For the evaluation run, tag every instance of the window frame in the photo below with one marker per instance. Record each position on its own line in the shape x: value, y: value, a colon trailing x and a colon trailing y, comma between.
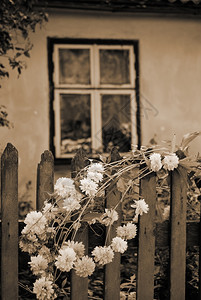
x: 88, y: 44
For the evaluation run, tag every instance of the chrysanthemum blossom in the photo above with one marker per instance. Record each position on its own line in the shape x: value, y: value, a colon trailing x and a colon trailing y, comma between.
x: 84, y: 266
x: 48, y: 211
x: 78, y: 247
x: 127, y: 231
x: 155, y: 162
x: 38, y: 264
x: 88, y: 186
x: 36, y: 222
x: 119, y: 245
x: 45, y: 252
x: 65, y: 187
x: 109, y: 217
x: 103, y: 255
x: 65, y: 259
x: 170, y: 162
x: 141, y: 207
x: 70, y: 204
x: 95, y: 176
x: 132, y: 296
x: 29, y: 246
x: 96, y: 167
x: 43, y: 288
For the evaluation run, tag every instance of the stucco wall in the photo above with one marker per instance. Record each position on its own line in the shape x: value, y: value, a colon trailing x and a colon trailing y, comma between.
x: 170, y: 76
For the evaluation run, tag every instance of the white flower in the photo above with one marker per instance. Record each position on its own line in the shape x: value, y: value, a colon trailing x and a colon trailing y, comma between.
x: 141, y: 207
x: 48, y: 211
x: 65, y: 259
x: 170, y: 162
x: 30, y: 247
x: 103, y: 255
x: 109, y: 217
x: 70, y: 204
x: 119, y: 245
x: 132, y: 296
x: 38, y: 264
x: 36, y: 222
x: 45, y: 252
x: 156, y: 164
x: 76, y: 225
x: 77, y: 247
x: 123, y: 296
x: 65, y: 187
x: 127, y: 231
x: 96, y: 167
x: 85, y: 266
x: 89, y: 187
x: 95, y: 176
x: 43, y: 288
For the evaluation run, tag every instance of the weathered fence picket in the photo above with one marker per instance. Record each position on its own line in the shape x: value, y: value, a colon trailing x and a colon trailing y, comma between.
x: 9, y: 223
x: 150, y: 235
x: 45, y: 178
x: 79, y: 286
x: 112, y: 270
x: 178, y: 198
x: 146, y: 242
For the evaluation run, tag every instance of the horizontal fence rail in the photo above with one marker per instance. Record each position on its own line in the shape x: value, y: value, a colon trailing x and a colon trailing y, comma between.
x: 177, y: 234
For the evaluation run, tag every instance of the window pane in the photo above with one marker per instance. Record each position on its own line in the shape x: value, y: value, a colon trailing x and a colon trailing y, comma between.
x: 74, y: 66
x: 114, y: 67
x: 116, y: 122
x: 75, y: 122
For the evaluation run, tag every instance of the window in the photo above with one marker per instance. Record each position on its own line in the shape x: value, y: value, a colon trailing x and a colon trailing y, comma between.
x: 94, y: 98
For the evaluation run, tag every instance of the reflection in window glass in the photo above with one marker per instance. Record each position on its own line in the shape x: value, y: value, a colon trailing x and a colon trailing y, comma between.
x: 114, y: 67
x: 116, y: 122
x: 75, y: 122
x: 74, y: 66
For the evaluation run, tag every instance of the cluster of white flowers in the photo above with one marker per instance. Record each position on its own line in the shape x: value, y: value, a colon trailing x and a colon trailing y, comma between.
x: 46, y: 234
x: 140, y: 207
x: 38, y: 264
x: 43, y: 288
x: 103, y: 255
x: 155, y: 160
x: 78, y: 247
x: 89, y: 184
x: 84, y: 266
x: 119, y: 245
x: 169, y: 162
x: 127, y: 231
x: 65, y: 259
x: 65, y: 188
x: 109, y: 217
x: 36, y: 223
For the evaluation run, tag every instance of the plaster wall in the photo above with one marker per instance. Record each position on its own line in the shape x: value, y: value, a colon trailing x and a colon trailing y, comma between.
x: 170, y: 76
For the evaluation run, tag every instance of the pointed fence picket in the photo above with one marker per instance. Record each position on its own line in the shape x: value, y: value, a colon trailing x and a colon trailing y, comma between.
x: 150, y: 234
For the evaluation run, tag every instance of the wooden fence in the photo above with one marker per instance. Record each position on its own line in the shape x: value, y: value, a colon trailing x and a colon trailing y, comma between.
x: 177, y: 233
